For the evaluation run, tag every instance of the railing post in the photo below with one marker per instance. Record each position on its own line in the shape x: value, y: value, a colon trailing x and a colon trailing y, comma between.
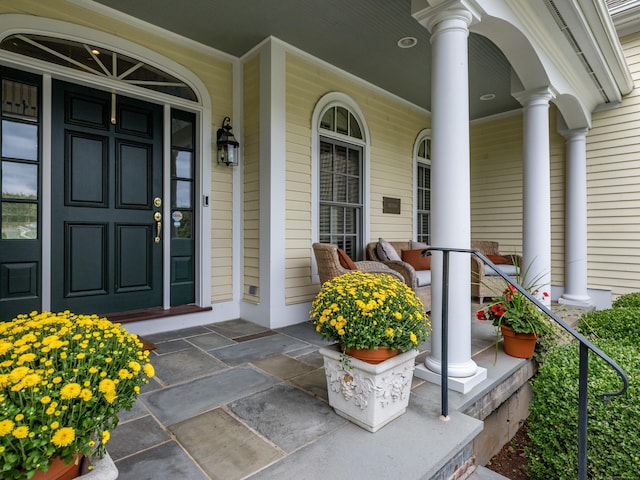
x: 444, y: 383
x: 583, y: 414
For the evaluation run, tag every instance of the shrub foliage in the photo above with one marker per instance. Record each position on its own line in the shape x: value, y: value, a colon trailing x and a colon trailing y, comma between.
x: 619, y: 324
x: 613, y: 440
x: 627, y: 300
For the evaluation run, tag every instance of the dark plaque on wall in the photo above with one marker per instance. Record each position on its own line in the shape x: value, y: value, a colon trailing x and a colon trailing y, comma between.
x: 391, y: 205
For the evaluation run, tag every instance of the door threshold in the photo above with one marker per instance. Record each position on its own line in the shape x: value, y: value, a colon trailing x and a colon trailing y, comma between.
x: 154, y: 313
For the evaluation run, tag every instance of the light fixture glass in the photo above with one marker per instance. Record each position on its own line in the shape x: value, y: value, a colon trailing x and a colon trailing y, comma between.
x: 227, y: 145
x: 487, y: 96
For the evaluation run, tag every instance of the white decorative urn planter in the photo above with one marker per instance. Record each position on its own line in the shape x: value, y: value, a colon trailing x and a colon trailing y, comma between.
x: 103, y: 469
x: 369, y: 395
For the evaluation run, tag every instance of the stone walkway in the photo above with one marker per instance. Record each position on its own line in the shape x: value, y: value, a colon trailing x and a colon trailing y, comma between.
x: 234, y: 400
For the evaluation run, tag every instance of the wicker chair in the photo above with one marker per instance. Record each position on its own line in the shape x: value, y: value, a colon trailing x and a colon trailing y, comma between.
x: 484, y: 281
x: 329, y: 263
x: 407, y: 271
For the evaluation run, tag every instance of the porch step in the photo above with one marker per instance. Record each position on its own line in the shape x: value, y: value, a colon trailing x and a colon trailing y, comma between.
x: 483, y: 473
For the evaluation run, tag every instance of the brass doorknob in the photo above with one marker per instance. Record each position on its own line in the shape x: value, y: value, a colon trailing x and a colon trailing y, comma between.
x: 157, y: 216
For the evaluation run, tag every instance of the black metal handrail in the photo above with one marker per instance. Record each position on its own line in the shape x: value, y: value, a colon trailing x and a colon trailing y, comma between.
x: 585, y: 346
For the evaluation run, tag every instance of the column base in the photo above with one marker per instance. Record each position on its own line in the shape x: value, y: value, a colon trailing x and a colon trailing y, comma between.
x: 576, y: 301
x: 457, y: 384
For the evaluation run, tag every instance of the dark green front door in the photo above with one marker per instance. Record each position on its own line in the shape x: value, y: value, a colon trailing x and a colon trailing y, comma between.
x: 106, y: 184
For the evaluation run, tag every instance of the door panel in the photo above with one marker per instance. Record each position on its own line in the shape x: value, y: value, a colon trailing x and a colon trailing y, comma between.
x: 86, y: 259
x: 86, y: 170
x: 104, y: 221
x: 134, y: 174
x: 134, y: 258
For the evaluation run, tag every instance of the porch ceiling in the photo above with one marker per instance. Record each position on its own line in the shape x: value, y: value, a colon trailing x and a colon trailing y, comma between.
x: 358, y: 36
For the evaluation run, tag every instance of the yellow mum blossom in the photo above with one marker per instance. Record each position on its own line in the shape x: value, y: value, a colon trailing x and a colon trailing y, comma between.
x: 389, y: 332
x: 86, y: 394
x: 70, y: 390
x: 413, y: 338
x: 19, y: 417
x: 110, y: 396
x: 63, y: 437
x: 149, y: 370
x: 46, y: 399
x: 105, y: 436
x: 21, y: 432
x: 6, y: 426
x: 398, y: 315
x: 5, y: 346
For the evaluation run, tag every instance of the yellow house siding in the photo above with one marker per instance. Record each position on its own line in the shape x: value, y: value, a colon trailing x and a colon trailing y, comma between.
x: 497, y: 183
x: 393, y: 126
x: 251, y: 167
x: 214, y: 72
x: 613, y: 193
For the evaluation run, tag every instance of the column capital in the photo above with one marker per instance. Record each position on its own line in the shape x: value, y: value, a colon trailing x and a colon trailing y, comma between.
x: 574, y: 133
x: 536, y: 96
x: 430, y: 13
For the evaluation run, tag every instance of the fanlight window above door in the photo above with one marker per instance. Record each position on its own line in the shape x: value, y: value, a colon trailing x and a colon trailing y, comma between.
x: 98, y: 61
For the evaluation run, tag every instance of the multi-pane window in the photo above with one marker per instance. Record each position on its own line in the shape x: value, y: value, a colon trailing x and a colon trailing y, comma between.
x: 423, y: 202
x: 20, y: 161
x: 182, y: 173
x: 341, y: 196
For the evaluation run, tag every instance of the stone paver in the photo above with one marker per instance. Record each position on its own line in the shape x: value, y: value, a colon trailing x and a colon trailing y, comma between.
x: 138, y: 434
x: 165, y: 462
x: 288, y: 417
x: 282, y: 366
x: 224, y: 447
x: 256, y: 349
x: 174, y: 404
x: 178, y: 367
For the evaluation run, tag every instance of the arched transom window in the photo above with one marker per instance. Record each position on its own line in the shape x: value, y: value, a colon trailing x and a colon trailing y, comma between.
x: 98, y: 61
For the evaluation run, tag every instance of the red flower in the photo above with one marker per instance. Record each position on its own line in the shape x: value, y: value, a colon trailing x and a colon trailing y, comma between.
x: 545, y: 294
x: 480, y: 314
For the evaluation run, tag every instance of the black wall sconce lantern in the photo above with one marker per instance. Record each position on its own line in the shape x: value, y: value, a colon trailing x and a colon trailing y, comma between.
x: 227, y: 145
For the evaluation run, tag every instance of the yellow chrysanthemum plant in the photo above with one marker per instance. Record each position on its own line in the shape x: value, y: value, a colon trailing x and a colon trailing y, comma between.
x: 63, y: 380
x: 364, y: 310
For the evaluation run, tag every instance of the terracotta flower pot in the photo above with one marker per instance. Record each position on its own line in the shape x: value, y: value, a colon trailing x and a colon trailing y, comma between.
x: 519, y: 345
x: 59, y: 471
x: 371, y: 355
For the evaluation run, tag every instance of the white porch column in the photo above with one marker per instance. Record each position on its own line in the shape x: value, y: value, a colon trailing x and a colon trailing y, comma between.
x: 536, y: 228
x: 575, y: 236
x: 450, y: 184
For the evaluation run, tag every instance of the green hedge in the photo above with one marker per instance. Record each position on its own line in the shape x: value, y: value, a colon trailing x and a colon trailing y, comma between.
x: 613, y: 441
x: 627, y: 300
x: 619, y: 324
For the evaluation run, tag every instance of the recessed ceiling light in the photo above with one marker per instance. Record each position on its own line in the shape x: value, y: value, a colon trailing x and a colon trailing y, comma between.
x: 95, y: 51
x: 407, y: 42
x: 487, y: 96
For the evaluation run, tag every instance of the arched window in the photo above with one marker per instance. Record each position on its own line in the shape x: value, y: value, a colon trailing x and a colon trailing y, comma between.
x: 341, y: 179
x: 99, y: 61
x: 423, y: 191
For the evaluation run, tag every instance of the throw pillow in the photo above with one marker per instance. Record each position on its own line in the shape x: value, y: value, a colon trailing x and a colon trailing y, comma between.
x: 416, y: 260
x: 345, y: 260
x: 498, y: 259
x: 386, y: 252
x: 415, y: 245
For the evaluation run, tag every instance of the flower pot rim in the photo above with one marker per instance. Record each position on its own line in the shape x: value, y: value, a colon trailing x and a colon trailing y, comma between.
x: 334, y: 352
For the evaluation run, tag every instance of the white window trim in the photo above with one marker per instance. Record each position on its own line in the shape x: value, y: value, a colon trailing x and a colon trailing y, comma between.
x: 337, y: 99
x: 422, y: 136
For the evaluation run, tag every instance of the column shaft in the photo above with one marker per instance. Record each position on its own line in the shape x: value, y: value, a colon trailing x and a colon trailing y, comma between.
x: 450, y: 189
x: 575, y: 250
